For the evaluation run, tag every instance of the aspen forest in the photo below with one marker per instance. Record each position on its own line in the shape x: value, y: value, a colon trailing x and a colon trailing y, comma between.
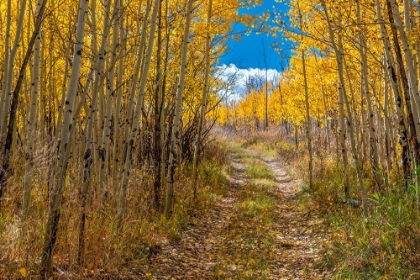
x: 130, y: 148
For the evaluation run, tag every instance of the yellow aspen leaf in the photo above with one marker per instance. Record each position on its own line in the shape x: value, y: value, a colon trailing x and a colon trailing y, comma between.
x: 23, y: 272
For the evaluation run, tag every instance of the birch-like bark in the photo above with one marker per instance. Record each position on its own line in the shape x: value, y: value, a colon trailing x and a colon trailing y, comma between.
x: 324, y: 103
x: 15, y: 101
x: 343, y: 96
x: 118, y: 120
x: 412, y: 113
x: 9, y: 72
x: 387, y: 130
x: 129, y: 142
x: 413, y: 86
x: 99, y: 66
x: 30, y: 123
x: 132, y: 102
x: 204, y: 100
x: 5, y: 67
x: 365, y: 89
x: 308, y: 116
x: 110, y: 92
x: 63, y: 152
x: 169, y: 200
x: 402, y: 126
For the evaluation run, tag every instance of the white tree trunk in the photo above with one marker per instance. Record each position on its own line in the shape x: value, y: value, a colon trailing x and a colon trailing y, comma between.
x: 64, y: 146
x: 30, y: 123
x: 169, y: 200
x: 8, y: 73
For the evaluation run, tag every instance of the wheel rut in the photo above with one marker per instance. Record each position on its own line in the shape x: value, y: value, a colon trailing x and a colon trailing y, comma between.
x: 231, y: 242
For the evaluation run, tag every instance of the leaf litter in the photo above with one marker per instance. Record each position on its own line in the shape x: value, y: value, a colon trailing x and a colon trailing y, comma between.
x: 254, y: 232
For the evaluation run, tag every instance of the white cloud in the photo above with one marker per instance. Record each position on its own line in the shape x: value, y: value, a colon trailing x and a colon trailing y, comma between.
x: 241, y: 76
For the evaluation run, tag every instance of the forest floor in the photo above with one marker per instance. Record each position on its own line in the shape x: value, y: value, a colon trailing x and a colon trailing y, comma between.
x: 259, y: 229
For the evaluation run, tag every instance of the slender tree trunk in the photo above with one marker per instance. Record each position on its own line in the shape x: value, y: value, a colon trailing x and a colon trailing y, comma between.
x: 324, y: 103
x: 365, y: 89
x: 110, y: 92
x: 129, y: 143
x: 118, y: 120
x: 157, y: 144
x: 8, y: 73
x: 30, y: 131
x: 308, y: 116
x: 129, y: 124
x: 402, y: 126
x: 204, y: 99
x: 339, y: 56
x: 395, y: 20
x: 5, y: 69
x: 169, y: 201
x: 64, y: 146
x: 15, y: 101
x: 99, y: 66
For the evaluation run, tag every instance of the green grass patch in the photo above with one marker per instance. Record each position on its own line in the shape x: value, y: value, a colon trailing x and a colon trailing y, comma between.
x: 380, y: 246
x: 260, y: 171
x: 258, y: 205
x: 267, y: 184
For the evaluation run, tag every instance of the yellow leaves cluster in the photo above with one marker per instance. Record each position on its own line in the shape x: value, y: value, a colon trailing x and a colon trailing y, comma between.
x: 286, y: 102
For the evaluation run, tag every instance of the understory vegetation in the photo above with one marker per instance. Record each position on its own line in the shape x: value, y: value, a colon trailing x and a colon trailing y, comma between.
x: 382, y: 245
x: 112, y: 253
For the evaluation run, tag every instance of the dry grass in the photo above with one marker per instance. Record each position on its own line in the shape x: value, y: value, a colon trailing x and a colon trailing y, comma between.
x: 108, y: 251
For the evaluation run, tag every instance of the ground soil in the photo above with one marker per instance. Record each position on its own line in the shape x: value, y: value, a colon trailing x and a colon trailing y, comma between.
x: 209, y: 250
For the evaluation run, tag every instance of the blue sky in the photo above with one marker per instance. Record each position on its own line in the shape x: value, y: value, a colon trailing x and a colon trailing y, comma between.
x: 248, y: 53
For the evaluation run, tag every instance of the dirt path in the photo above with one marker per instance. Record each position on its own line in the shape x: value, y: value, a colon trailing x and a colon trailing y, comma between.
x: 256, y: 231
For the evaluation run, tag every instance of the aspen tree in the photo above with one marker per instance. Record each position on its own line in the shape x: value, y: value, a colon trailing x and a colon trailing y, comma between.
x: 402, y: 126
x: 413, y: 85
x: 324, y: 103
x: 64, y: 146
x: 412, y: 112
x: 338, y: 50
x: 99, y: 66
x: 64, y: 85
x: 365, y: 89
x: 118, y: 120
x: 104, y: 148
x: 158, y: 109
x: 30, y: 131
x: 163, y: 162
x: 15, y: 100
x: 169, y: 200
x: 129, y: 147
x: 203, y: 99
x: 5, y: 68
x: 129, y: 124
x: 308, y: 117
x: 9, y: 70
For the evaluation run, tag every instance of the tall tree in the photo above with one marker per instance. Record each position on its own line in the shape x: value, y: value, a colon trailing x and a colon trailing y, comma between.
x: 176, y: 130
x: 64, y: 146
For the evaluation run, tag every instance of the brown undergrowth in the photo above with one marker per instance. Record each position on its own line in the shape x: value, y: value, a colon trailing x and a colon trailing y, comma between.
x: 109, y: 253
x: 257, y: 229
